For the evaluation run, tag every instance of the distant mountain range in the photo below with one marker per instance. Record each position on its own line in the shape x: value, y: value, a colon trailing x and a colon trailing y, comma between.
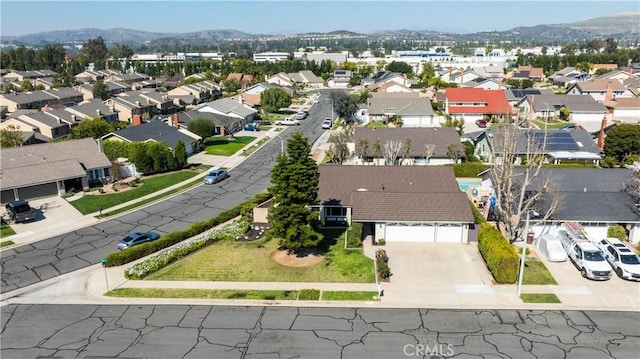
x: 620, y: 27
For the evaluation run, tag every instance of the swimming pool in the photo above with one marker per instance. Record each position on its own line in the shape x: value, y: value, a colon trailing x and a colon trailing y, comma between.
x: 465, y: 183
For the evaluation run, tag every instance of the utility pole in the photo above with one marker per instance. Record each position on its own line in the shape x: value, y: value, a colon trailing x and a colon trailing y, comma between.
x: 522, y: 259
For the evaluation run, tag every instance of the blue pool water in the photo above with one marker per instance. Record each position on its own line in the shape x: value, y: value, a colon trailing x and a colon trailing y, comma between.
x: 465, y: 184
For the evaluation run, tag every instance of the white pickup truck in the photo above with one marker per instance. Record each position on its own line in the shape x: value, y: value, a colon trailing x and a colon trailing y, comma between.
x: 584, y: 254
x: 288, y: 122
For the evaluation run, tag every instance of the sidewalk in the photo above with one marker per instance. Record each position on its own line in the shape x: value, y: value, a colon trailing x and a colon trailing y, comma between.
x: 74, y: 221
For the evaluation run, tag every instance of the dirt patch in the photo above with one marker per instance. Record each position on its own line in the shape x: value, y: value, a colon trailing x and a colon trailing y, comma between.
x: 293, y: 260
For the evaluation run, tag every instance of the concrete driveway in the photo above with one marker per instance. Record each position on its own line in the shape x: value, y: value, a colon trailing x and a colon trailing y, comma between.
x: 435, y: 273
x: 55, y: 215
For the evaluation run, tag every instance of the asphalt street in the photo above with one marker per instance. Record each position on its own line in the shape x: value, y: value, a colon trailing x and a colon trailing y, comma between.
x: 39, y: 261
x: 182, y: 331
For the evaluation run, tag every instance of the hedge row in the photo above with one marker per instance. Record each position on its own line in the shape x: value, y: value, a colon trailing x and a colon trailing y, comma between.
x: 500, y: 256
x: 131, y: 254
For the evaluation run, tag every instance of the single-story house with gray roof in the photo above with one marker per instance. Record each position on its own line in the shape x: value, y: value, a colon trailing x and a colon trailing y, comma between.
x: 414, y: 110
x: 597, y: 198
x: 398, y: 203
x: 158, y: 131
x: 49, y: 169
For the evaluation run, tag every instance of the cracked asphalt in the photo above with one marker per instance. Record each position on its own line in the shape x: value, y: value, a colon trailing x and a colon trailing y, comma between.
x: 35, y: 262
x: 183, y: 331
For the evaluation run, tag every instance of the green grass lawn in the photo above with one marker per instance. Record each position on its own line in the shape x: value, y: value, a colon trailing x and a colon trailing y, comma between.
x: 224, y: 146
x: 540, y: 298
x: 93, y: 203
x: 203, y: 293
x: 535, y: 272
x: 251, y: 262
x: 374, y: 124
x: 6, y: 243
x: 349, y: 296
x: 552, y: 125
x: 6, y: 230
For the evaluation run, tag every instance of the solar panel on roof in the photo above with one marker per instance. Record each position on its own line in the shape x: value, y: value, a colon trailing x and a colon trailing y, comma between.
x: 557, y: 141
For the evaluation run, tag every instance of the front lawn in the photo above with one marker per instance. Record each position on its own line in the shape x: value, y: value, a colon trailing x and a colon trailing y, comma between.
x: 375, y: 124
x: 93, y: 203
x: 552, y: 124
x: 349, y: 296
x: 225, y: 146
x: 535, y: 272
x: 6, y: 230
x: 540, y: 298
x: 251, y: 262
x: 203, y: 293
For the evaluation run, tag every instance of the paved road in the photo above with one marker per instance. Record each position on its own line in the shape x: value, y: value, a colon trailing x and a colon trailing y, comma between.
x: 182, y: 331
x: 35, y: 262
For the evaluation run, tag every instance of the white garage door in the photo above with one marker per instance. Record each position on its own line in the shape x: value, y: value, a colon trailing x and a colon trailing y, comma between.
x: 449, y: 233
x: 596, y: 232
x: 397, y: 232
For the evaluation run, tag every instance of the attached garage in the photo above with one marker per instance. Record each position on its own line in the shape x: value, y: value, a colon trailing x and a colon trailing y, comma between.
x: 410, y: 232
x: 450, y: 233
x: 39, y: 191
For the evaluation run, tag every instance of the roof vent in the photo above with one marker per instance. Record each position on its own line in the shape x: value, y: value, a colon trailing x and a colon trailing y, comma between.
x: 362, y: 190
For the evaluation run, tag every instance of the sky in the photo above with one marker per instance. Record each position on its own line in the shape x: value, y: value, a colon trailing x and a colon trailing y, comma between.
x: 290, y: 17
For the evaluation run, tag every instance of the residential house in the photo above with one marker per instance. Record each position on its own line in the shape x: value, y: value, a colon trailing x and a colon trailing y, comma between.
x: 600, y: 90
x: 113, y: 89
x: 220, y: 121
x: 387, y: 77
x: 158, y: 131
x: 473, y: 104
x: 51, y: 124
x: 128, y: 78
x: 30, y: 134
x: 595, y: 67
x: 583, y: 109
x: 251, y: 96
x: 528, y: 73
x: 485, y: 84
x: 19, y: 76
x: 49, y: 169
x: 196, y: 92
x: 515, y: 95
x: 306, y: 78
x: 340, y: 78
x: 556, y: 146
x: 230, y: 108
x: 55, y: 97
x: 390, y: 87
x: 90, y: 76
x: 597, y: 198
x: 243, y: 79
x: 281, y: 79
x: 415, y: 111
x: 396, y: 203
x: 495, y: 73
x: 624, y: 109
x: 568, y: 76
x: 433, y: 142
x: 93, y: 109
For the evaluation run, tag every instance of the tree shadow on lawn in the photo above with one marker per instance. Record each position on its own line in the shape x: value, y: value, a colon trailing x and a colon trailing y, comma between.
x: 330, y: 238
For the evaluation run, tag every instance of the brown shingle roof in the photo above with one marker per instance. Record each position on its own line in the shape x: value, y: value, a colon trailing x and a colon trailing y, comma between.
x: 411, y: 207
x: 442, y: 137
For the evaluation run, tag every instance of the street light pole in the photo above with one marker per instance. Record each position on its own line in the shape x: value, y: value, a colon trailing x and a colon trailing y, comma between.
x: 281, y: 144
x: 522, y: 259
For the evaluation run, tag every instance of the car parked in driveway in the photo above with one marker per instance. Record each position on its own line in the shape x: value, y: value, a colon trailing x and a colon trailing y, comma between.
x: 551, y: 247
x: 622, y: 259
x: 252, y: 127
x: 216, y: 176
x: 288, y: 122
x: 136, y: 238
x: 20, y: 211
x: 481, y: 123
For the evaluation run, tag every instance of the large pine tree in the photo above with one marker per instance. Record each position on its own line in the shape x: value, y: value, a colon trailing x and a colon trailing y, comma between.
x: 295, y: 188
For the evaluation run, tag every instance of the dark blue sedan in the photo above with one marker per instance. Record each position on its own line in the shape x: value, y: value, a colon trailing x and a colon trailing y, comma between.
x: 137, y: 238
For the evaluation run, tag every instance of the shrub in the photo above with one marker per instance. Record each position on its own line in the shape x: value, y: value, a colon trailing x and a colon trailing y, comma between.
x: 468, y: 169
x: 309, y: 294
x: 477, y: 216
x: 498, y: 253
x: 354, y: 236
x: 382, y: 264
x: 617, y: 231
x: 381, y: 242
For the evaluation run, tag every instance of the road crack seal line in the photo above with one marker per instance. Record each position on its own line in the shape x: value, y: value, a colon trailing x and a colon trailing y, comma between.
x: 257, y: 329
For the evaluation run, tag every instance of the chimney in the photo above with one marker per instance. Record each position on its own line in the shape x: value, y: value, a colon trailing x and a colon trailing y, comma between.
x: 98, y: 112
x: 462, y: 77
x: 113, y: 108
x: 450, y: 72
x: 138, y: 103
x: 609, y: 95
x: 601, y: 135
x: 73, y: 118
x: 137, y: 120
x: 531, y: 110
x: 176, y: 122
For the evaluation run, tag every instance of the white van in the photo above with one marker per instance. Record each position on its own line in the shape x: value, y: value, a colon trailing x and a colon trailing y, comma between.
x: 551, y: 247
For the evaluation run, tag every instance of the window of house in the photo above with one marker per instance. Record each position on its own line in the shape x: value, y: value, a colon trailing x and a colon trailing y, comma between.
x: 335, y: 211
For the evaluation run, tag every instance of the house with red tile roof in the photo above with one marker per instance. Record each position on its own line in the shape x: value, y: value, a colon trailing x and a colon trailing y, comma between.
x: 473, y: 104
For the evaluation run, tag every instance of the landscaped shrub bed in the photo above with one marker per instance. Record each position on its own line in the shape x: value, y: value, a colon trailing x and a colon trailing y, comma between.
x: 169, y: 239
x: 309, y: 294
x: 354, y: 235
x: 382, y: 263
x: 181, y: 250
x: 498, y: 253
x: 469, y: 169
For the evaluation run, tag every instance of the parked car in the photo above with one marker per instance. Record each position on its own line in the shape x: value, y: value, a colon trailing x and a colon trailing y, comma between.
x: 288, y: 122
x: 622, y: 259
x: 551, y: 248
x: 20, y: 211
x: 216, y: 176
x: 136, y: 238
x: 481, y: 123
x: 327, y: 123
x: 252, y: 127
x: 302, y: 115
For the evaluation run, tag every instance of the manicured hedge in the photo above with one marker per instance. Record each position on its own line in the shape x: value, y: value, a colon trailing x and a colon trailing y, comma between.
x: 500, y: 256
x: 477, y: 216
x: 617, y: 231
x: 131, y: 254
x: 469, y: 169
